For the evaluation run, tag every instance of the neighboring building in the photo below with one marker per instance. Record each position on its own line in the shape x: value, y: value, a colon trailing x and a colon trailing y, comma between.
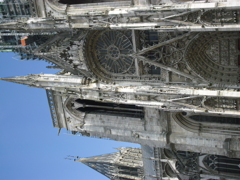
x: 164, y: 74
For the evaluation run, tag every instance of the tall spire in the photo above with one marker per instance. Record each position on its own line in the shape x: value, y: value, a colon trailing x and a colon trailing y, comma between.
x: 46, y: 81
x: 104, y: 164
x: 123, y: 164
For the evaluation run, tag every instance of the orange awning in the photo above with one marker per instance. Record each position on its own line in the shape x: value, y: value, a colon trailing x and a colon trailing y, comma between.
x: 22, y: 40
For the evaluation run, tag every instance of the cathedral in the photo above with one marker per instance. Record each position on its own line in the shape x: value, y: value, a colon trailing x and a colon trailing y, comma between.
x: 161, y: 73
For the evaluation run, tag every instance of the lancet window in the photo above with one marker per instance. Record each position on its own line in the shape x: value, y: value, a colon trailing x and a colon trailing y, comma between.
x: 192, y: 163
x: 222, y: 164
x: 103, y: 108
x: 208, y: 124
x: 215, y: 119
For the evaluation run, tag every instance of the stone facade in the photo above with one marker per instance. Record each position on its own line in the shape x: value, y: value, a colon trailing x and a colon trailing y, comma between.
x: 164, y: 74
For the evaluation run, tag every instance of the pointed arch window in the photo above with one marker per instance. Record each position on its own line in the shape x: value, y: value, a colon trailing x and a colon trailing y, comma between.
x: 217, y: 57
x: 215, y: 164
x: 215, y: 119
x: 208, y: 123
x: 222, y: 164
x: 107, y: 108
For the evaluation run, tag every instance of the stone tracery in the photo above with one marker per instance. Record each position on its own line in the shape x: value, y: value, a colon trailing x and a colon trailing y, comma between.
x: 202, y: 57
x: 114, y: 55
x: 222, y: 164
x: 200, y: 123
x: 112, y: 51
x: 213, y: 17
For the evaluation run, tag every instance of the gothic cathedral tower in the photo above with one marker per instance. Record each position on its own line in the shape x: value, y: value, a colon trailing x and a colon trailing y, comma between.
x: 161, y: 73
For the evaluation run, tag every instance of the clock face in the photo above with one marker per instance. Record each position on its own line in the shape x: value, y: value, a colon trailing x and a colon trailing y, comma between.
x: 113, y: 50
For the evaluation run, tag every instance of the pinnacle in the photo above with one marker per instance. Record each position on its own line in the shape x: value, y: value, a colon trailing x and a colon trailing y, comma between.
x: 8, y: 78
x: 16, y: 79
x: 77, y: 158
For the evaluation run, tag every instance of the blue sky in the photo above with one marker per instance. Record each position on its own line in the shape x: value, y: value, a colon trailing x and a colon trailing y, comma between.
x: 29, y: 146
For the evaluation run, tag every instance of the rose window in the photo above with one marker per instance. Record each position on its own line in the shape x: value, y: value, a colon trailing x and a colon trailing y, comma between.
x: 113, y: 50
